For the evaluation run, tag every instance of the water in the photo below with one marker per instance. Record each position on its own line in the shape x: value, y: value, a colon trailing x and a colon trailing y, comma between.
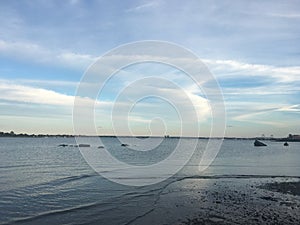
x: 41, y: 183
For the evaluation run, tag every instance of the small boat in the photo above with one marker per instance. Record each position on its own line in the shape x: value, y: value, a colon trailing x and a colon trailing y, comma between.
x: 124, y: 145
x: 259, y: 143
x: 286, y: 144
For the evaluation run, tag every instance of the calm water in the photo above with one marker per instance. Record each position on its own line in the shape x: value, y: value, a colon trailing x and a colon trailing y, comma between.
x: 41, y: 183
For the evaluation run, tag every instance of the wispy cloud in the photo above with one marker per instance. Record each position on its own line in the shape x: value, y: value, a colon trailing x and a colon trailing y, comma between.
x: 236, y: 68
x: 145, y: 6
x: 255, y: 118
x: 263, y: 113
x: 265, y: 90
x: 282, y: 15
x: 41, y: 83
x: 32, y: 52
x: 24, y: 51
x: 290, y: 108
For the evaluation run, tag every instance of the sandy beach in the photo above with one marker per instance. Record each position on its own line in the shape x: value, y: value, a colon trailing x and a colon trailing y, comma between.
x: 227, y: 200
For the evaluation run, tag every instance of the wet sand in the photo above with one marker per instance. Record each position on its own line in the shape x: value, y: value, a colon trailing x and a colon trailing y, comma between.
x: 292, y: 188
x: 227, y: 200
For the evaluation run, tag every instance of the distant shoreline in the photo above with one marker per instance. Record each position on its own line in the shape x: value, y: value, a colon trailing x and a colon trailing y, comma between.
x: 24, y: 135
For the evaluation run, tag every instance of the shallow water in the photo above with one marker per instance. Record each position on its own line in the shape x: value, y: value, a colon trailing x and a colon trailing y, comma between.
x: 41, y: 183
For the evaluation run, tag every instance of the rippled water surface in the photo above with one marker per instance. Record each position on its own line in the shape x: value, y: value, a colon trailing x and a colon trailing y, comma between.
x: 41, y: 183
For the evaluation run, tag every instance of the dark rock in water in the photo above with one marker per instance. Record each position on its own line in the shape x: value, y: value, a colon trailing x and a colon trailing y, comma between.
x: 124, y: 145
x: 286, y: 144
x: 63, y: 145
x: 73, y: 146
x: 259, y: 143
x: 84, y: 145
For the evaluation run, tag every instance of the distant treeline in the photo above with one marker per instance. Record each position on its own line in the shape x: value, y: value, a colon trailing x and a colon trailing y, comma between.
x: 13, y: 134
x: 290, y: 137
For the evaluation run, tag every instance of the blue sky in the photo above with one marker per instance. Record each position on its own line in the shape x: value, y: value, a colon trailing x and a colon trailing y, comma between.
x: 252, y: 48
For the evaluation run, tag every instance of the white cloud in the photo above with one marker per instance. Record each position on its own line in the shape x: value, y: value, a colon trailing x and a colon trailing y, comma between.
x: 21, y: 93
x: 26, y: 94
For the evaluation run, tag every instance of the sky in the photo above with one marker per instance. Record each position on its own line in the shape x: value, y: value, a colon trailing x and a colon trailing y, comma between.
x: 251, y: 47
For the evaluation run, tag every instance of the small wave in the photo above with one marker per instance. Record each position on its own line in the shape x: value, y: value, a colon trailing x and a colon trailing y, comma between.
x: 61, y: 211
x: 16, y: 166
x: 61, y: 181
x: 50, y: 184
x: 234, y: 176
